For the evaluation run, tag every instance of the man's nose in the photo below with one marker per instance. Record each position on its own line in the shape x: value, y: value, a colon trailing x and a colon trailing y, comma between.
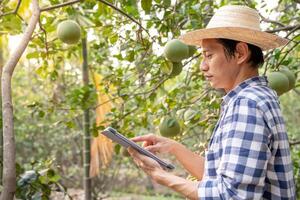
x: 203, y: 66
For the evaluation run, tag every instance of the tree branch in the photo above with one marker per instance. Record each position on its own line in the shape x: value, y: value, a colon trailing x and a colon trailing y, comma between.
x: 270, y: 21
x: 187, y: 77
x: 152, y: 89
x: 293, y: 30
x: 102, y: 1
x: 285, y: 28
x: 294, y: 143
x: 59, y: 5
x: 13, y: 12
x: 45, y: 33
x: 125, y: 14
x: 282, y: 59
x: 132, y: 95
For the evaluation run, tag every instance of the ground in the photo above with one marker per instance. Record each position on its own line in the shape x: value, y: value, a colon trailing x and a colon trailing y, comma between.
x: 78, y: 194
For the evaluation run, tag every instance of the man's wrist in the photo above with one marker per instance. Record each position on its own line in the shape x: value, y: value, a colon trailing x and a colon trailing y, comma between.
x: 176, y: 148
x: 187, y: 188
x: 158, y: 175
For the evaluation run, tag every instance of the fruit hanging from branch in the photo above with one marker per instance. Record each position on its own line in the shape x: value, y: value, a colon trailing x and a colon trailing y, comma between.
x: 176, y: 69
x: 169, y: 127
x: 176, y: 51
x: 69, y: 32
x: 278, y: 82
x: 291, y: 76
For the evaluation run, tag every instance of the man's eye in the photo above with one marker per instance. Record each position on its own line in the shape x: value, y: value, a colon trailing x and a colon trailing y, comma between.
x: 208, y: 56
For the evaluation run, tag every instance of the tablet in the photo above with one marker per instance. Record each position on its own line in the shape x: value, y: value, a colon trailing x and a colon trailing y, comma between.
x: 123, y: 141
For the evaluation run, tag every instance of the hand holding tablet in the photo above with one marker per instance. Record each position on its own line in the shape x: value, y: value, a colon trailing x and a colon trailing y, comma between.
x: 125, y: 142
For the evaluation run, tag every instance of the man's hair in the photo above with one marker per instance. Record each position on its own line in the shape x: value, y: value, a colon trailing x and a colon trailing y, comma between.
x: 256, y: 56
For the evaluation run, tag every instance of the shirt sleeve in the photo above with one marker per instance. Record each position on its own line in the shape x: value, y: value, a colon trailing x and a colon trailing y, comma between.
x: 244, y: 154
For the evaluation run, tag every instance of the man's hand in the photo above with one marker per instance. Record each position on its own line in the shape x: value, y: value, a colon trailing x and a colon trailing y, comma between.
x: 156, y: 144
x: 147, y: 164
x: 154, y: 170
x: 192, y: 162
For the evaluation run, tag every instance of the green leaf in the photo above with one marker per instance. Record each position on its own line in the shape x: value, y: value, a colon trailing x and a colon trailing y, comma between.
x: 146, y: 5
x: 54, y: 75
x: 286, y: 62
x: 277, y: 54
x: 70, y: 124
x: 43, y: 179
x: 167, y: 3
x: 95, y: 133
x: 11, y: 23
x: 24, y: 7
x: 55, y: 178
x: 166, y: 67
x: 130, y: 56
x: 41, y: 113
x: 42, y: 71
x: 34, y: 54
x: 114, y: 38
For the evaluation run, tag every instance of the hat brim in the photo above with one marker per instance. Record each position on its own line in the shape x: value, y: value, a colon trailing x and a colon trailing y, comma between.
x: 265, y: 41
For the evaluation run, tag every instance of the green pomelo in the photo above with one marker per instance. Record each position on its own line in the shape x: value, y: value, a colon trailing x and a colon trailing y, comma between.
x: 192, y: 50
x: 278, y: 82
x: 68, y: 31
x: 291, y: 76
x: 175, y: 50
x: 176, y: 69
x: 169, y: 127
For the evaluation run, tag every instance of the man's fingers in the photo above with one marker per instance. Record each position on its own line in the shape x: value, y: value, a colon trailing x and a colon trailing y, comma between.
x: 153, y: 149
x: 145, y: 163
x: 149, y: 137
x: 134, y: 153
x: 147, y: 143
x: 131, y: 151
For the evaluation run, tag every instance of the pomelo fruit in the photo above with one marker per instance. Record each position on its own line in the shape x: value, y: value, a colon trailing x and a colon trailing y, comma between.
x: 291, y: 76
x: 68, y: 31
x: 278, y: 82
x: 169, y: 127
x: 176, y: 69
x: 175, y: 50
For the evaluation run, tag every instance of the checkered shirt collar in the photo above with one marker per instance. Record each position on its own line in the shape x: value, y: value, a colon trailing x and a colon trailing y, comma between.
x: 257, y: 80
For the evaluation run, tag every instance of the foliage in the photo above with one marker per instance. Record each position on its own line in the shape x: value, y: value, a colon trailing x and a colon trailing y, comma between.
x: 37, y: 183
x: 291, y: 111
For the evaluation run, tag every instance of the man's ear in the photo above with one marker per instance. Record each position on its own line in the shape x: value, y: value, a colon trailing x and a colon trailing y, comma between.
x: 242, y: 52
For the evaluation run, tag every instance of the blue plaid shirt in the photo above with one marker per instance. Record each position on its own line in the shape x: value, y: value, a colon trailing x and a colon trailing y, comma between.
x: 248, y: 156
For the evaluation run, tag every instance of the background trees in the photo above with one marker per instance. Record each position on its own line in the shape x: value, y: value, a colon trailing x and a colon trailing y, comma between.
x: 125, y: 41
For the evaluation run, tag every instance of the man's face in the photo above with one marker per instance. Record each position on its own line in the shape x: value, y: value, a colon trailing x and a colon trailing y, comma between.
x: 220, y: 71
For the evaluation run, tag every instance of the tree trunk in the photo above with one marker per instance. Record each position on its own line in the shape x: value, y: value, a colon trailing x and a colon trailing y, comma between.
x: 1, y: 130
x: 9, y: 148
x: 86, y: 126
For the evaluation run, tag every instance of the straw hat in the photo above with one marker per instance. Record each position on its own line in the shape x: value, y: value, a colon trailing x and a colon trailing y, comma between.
x: 235, y: 22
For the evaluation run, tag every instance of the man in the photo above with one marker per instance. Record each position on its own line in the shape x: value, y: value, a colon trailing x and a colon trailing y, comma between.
x: 248, y: 156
